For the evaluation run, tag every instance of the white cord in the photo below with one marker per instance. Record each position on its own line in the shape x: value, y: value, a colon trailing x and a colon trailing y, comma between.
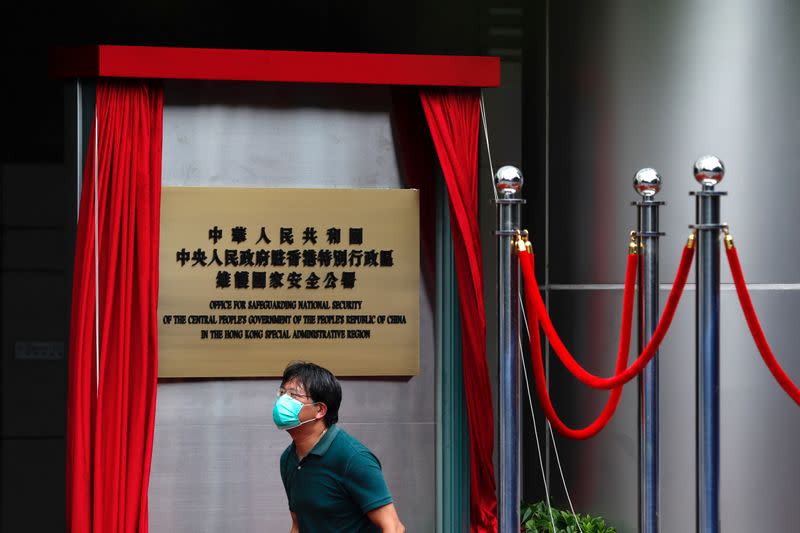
x: 527, y: 385
x: 536, y: 435
x: 560, y: 471
x: 96, y: 266
x: 549, y: 427
x: 488, y: 150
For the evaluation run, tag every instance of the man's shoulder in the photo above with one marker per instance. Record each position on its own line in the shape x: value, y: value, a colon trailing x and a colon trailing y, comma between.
x: 351, y: 449
x: 347, y: 442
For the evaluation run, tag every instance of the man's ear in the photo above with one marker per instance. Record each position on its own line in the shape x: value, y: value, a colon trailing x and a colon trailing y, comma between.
x: 322, y: 410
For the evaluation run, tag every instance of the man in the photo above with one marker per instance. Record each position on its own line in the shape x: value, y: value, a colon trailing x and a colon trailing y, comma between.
x: 333, y: 482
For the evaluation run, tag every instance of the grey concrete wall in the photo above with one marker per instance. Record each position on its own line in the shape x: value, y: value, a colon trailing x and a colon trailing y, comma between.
x: 635, y: 84
x: 216, y: 451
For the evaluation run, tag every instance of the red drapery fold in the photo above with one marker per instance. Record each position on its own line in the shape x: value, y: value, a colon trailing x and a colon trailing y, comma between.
x: 453, y: 117
x: 110, y: 431
x: 416, y: 160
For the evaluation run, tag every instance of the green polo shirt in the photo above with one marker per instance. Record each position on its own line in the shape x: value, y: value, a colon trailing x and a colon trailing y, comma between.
x: 334, y: 487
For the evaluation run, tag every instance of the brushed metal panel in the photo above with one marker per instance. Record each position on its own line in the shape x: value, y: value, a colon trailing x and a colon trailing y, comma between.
x: 641, y: 84
x: 601, y: 473
x: 216, y: 454
x: 215, y: 459
x: 282, y: 136
x: 216, y: 451
x: 760, y: 424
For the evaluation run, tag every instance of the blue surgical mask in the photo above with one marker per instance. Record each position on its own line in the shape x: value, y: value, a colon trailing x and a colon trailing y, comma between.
x: 286, y: 413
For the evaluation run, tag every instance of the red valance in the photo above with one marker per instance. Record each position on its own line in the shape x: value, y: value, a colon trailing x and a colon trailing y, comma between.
x: 156, y: 62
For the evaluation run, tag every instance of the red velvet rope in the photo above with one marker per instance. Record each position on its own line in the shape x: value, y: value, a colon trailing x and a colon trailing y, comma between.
x: 755, y: 327
x: 620, y: 378
x: 526, y: 261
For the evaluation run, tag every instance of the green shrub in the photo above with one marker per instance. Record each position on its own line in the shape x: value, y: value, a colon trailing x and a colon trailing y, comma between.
x: 536, y: 519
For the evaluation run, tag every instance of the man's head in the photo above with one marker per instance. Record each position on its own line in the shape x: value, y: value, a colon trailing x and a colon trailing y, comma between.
x: 312, y: 384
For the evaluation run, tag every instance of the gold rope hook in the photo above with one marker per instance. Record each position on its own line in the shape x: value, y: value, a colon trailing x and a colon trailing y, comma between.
x: 528, y: 243
x: 519, y: 242
x: 692, y: 240
x: 633, y: 244
x: 728, y: 239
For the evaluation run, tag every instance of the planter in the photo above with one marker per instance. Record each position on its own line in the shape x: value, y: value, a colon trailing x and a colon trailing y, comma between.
x: 535, y: 518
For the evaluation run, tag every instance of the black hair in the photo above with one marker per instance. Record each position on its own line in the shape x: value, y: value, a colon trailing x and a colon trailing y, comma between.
x: 320, y: 384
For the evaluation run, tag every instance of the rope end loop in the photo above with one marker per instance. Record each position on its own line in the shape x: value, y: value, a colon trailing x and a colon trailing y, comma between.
x: 528, y: 243
x: 728, y: 239
x: 520, y: 240
x: 633, y: 244
x: 692, y: 240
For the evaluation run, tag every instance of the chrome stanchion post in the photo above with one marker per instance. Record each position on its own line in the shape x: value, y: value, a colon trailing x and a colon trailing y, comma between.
x: 508, y: 181
x: 708, y: 171
x: 647, y: 183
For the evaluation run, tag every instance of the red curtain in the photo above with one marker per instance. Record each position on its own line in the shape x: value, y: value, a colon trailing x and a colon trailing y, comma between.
x: 416, y: 161
x: 453, y: 117
x: 110, y: 430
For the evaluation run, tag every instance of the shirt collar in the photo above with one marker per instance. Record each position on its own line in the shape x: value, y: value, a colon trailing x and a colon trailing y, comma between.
x: 325, y: 442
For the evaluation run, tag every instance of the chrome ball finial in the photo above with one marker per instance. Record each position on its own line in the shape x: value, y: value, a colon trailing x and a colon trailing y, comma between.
x: 508, y: 179
x: 709, y: 170
x: 647, y: 182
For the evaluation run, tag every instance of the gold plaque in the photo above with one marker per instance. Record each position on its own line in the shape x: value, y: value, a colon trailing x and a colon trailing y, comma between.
x: 252, y: 279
